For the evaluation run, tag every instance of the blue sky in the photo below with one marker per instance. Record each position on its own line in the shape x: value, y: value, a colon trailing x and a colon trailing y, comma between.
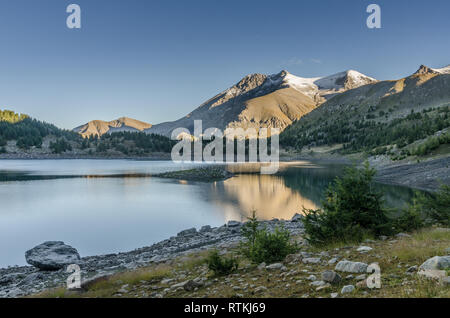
x: 158, y: 60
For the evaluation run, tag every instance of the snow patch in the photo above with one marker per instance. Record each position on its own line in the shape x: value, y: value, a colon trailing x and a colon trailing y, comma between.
x: 444, y: 70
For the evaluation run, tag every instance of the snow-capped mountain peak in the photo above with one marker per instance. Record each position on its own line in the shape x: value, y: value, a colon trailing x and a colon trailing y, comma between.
x: 444, y: 70
x: 323, y: 85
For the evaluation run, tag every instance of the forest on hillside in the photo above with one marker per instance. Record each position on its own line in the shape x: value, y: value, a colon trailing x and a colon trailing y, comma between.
x: 28, y: 133
x: 368, y: 134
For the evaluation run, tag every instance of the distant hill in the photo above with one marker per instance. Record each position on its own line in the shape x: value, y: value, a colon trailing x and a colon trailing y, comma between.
x: 270, y: 101
x: 25, y: 137
x: 100, y: 127
x: 28, y: 132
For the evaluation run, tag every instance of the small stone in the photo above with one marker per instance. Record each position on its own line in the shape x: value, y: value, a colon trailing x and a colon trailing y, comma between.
x: 332, y: 261
x: 166, y: 281
x: 123, y: 289
x: 312, y: 278
x: 311, y: 260
x: 260, y: 289
x: 318, y: 283
x: 362, y: 284
x: 364, y: 249
x: 334, y: 295
x: 292, y: 258
x: 205, y: 229
x: 331, y: 277
x: 351, y: 267
x: 261, y: 266
x: 347, y: 289
x: 190, y: 285
x: 275, y: 266
x: 233, y: 223
x: 412, y: 269
x: 360, y: 277
x: 297, y: 218
x: 188, y: 232
x: 403, y: 235
x: 322, y: 287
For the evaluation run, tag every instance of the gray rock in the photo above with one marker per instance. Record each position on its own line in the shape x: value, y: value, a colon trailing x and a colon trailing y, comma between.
x: 312, y: 278
x: 305, y: 254
x: 432, y: 274
x: 446, y: 281
x: 364, y: 249
x: 331, y: 277
x: 275, y: 266
x: 332, y: 261
x: 334, y: 295
x: 205, y: 229
x: 233, y: 223
x: 293, y: 258
x: 311, y: 260
x: 347, y: 289
x: 351, y: 267
x: 10, y: 278
x: 360, y: 277
x: 31, y: 279
x: 401, y: 235
x: 436, y: 263
x: 190, y: 285
x: 52, y: 255
x: 260, y: 289
x: 262, y: 266
x: 297, y: 218
x: 188, y: 232
x: 318, y: 283
x: 412, y: 269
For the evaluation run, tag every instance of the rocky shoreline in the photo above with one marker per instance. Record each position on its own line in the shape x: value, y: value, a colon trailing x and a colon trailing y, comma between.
x: 19, y: 281
x: 425, y: 175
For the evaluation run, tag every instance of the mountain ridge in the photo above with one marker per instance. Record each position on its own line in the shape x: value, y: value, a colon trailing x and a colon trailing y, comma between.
x: 269, y: 101
x: 100, y: 127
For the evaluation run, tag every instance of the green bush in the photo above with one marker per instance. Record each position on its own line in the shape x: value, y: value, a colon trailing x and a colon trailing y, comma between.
x: 261, y: 245
x: 352, y: 210
x: 410, y: 218
x: 221, y: 266
x: 437, y: 206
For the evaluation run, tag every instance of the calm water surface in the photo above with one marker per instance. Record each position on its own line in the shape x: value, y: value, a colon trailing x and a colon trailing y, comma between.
x: 39, y: 201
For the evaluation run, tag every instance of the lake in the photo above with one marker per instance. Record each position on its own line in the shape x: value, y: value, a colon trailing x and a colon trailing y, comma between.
x: 73, y: 201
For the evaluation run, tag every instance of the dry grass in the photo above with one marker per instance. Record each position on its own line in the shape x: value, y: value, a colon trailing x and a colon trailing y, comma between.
x: 394, y: 257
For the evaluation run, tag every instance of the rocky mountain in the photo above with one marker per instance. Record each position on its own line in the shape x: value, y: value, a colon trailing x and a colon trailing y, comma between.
x: 270, y: 101
x: 100, y: 127
x: 374, y: 105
